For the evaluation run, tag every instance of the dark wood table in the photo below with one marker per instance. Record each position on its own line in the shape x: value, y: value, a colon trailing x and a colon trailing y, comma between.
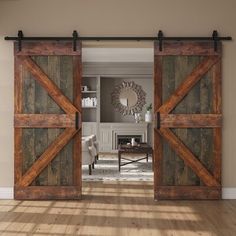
x: 127, y: 149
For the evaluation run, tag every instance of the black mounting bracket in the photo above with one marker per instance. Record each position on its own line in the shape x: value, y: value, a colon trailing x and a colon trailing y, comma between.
x: 215, y: 38
x: 160, y: 39
x: 75, y: 38
x: 20, y: 37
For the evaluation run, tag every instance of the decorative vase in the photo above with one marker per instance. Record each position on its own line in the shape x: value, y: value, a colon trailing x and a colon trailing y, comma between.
x: 133, y: 142
x: 137, y: 117
x: 148, y: 117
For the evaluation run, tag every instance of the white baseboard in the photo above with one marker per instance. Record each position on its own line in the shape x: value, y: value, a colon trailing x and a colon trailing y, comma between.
x: 7, y: 193
x: 228, y: 193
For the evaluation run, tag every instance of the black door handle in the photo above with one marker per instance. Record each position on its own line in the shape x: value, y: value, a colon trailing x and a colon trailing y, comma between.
x: 158, y: 120
x: 77, y: 120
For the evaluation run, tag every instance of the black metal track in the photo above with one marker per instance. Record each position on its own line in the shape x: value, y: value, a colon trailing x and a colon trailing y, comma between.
x: 84, y: 38
x: 75, y: 36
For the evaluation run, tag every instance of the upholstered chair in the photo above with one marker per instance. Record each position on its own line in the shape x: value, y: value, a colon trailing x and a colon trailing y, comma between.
x: 96, y: 145
x: 88, y: 154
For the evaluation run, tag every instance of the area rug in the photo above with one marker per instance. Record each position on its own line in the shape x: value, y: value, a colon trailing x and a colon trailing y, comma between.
x: 106, y: 169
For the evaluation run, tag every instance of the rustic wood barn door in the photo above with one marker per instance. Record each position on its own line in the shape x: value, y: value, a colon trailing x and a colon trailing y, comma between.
x: 187, y: 139
x: 47, y: 121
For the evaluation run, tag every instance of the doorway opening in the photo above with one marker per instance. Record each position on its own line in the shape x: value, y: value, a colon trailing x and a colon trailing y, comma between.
x: 115, y: 98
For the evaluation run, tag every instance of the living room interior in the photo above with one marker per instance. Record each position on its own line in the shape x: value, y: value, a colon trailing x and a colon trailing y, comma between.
x: 117, y: 117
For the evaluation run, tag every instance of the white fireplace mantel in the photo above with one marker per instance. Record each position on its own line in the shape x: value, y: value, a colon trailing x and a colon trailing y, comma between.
x: 110, y: 131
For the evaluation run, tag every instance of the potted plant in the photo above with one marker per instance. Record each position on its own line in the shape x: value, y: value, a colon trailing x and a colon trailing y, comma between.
x: 148, y: 115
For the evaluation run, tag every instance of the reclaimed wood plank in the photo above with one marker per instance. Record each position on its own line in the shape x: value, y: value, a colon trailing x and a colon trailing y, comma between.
x: 193, y: 134
x: 191, y: 120
x: 181, y: 48
x: 188, y: 157
x: 41, y: 77
x: 28, y: 135
x: 47, y: 193
x: 158, y: 146
x: 217, y: 108
x: 188, y: 84
x: 181, y: 71
x: 168, y: 87
x: 188, y: 193
x: 42, y: 162
x: 206, y: 155
x: 41, y: 135
x: 77, y: 148
x: 47, y: 48
x: 44, y: 120
x: 54, y: 168
x: 66, y: 86
x: 18, y: 91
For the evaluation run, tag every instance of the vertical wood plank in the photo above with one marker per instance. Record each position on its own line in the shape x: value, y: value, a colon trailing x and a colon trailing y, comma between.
x: 28, y: 108
x: 77, y: 151
x: 41, y: 135
x: 17, y: 110
x: 181, y: 71
x: 53, y: 108
x: 158, y: 148
x: 66, y: 85
x: 168, y: 87
x: 206, y: 155
x: 217, y: 108
x: 193, y: 135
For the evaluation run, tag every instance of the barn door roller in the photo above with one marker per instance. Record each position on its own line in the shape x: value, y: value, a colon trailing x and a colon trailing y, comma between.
x: 160, y: 37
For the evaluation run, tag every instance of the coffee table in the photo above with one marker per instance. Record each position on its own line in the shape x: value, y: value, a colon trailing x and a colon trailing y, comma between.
x: 127, y: 149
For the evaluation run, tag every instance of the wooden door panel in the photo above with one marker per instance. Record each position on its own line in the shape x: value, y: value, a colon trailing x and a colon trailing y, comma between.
x: 43, y: 156
x: 59, y: 70
x: 175, y: 170
x: 188, y: 132
x: 58, y: 171
x: 38, y: 69
x: 47, y: 112
x: 186, y: 118
x: 185, y: 87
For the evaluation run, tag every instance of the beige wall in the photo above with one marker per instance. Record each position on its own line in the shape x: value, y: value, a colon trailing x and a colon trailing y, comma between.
x: 120, y: 17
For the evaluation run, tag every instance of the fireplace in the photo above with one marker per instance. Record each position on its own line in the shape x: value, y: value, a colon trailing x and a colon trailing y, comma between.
x: 122, y: 133
x: 124, y: 139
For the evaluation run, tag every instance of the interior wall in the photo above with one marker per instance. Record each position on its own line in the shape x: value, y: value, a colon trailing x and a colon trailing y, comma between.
x: 110, y: 17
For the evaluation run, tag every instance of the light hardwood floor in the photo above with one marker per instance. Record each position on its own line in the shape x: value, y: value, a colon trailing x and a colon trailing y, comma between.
x: 118, y: 209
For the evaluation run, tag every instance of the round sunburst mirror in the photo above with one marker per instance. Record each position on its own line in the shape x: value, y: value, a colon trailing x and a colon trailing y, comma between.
x: 128, y: 98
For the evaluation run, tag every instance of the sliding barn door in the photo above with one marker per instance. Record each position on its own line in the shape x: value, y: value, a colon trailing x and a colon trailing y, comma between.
x: 187, y: 137
x: 47, y: 121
